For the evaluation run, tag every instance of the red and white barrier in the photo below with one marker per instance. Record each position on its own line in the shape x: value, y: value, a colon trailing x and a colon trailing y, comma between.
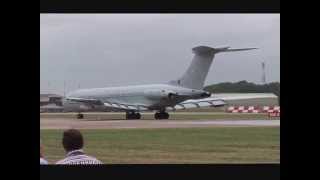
x: 254, y: 109
x: 243, y: 109
x: 268, y: 109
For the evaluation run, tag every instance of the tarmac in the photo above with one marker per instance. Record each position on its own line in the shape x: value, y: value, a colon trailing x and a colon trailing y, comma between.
x: 65, y: 123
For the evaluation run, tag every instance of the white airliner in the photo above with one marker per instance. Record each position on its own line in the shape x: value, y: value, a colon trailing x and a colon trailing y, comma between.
x: 183, y: 93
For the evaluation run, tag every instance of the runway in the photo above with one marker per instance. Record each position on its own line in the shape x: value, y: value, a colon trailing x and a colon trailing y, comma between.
x: 60, y: 123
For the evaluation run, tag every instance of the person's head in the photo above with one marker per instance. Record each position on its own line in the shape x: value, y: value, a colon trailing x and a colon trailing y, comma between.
x: 72, y: 140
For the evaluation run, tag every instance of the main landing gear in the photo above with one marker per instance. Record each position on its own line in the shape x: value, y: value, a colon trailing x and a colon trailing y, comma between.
x: 161, y: 115
x: 133, y: 115
x: 80, y: 116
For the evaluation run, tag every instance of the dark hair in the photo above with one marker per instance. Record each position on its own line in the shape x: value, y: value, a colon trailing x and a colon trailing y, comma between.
x: 72, y: 140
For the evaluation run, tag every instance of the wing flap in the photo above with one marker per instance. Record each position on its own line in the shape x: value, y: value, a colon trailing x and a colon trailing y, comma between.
x: 125, y: 107
x: 207, y: 102
x: 240, y: 98
x: 219, y: 100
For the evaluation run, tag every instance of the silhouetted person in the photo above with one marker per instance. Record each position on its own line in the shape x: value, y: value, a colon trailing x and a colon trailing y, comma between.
x: 73, y: 143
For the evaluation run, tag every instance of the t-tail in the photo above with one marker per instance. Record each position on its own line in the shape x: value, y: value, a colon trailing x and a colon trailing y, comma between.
x: 196, y: 74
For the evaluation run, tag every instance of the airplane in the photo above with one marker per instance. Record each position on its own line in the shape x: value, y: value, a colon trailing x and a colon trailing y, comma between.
x: 183, y: 93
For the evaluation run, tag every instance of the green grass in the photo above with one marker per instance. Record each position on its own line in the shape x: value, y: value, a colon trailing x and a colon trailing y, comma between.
x: 184, y: 145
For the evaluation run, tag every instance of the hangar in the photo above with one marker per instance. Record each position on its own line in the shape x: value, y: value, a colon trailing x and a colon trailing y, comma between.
x: 51, y: 103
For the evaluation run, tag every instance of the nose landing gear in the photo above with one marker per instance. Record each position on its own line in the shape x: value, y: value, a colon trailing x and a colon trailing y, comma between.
x: 80, y: 116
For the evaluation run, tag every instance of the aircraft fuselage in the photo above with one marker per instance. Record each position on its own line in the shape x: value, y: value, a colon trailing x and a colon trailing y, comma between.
x: 153, y: 96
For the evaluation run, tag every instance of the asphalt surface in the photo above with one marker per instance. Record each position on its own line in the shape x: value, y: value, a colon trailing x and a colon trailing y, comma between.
x: 61, y: 123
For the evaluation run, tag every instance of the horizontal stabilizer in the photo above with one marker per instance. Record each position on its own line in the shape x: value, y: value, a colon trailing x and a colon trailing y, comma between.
x: 210, y: 50
x: 232, y: 50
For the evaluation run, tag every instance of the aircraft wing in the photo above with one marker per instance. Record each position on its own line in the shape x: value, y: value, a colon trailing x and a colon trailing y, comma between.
x: 85, y: 101
x: 206, y: 102
x: 219, y: 100
x: 125, y: 107
x: 110, y: 105
x: 198, y: 103
x: 216, y: 100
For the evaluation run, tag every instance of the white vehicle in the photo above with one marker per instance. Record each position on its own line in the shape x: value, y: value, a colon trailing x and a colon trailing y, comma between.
x: 185, y: 92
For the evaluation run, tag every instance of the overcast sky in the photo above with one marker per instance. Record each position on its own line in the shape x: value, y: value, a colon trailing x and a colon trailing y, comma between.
x: 102, y: 50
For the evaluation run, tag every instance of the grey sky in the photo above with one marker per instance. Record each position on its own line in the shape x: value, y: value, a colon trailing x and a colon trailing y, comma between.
x: 101, y: 50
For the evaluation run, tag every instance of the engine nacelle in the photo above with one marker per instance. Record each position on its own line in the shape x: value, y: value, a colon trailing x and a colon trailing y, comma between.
x: 205, y: 95
x: 160, y: 94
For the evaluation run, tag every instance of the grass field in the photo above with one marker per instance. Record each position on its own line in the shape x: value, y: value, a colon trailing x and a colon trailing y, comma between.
x: 173, y: 115
x: 184, y: 145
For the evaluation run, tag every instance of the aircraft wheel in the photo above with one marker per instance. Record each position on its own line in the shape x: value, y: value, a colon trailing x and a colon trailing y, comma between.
x: 156, y: 116
x: 162, y: 115
x: 132, y: 115
x: 166, y: 115
x: 80, y: 116
x: 138, y: 116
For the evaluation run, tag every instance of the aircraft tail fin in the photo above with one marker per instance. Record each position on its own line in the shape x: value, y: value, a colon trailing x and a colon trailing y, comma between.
x: 196, y: 74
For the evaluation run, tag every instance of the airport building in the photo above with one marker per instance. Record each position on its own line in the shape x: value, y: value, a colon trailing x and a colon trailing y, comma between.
x: 51, y: 103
